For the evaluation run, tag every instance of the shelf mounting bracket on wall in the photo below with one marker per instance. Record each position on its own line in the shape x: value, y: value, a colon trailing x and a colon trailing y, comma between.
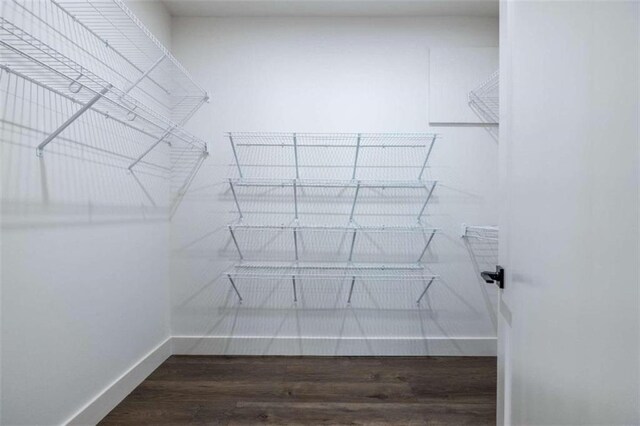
x: 295, y: 155
x: 425, y: 290
x: 355, y: 160
x: 295, y: 199
x: 353, y: 243
x: 233, y: 237
x: 426, y: 246
x: 235, y: 155
x: 295, y: 293
x: 426, y: 158
x: 424, y: 206
x: 353, y: 281
x: 71, y: 119
x: 233, y: 284
x: 156, y: 143
x: 235, y: 198
x: 295, y: 241
x: 355, y: 200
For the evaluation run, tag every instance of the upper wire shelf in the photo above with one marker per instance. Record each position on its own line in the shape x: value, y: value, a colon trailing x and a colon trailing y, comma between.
x: 340, y: 156
x: 106, y: 39
x: 99, y: 56
x: 485, y: 99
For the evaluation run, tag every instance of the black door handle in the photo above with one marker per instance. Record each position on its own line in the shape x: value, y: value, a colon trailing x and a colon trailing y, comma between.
x: 494, y: 277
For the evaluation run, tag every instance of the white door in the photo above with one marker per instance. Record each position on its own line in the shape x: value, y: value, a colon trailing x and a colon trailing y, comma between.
x: 569, y: 320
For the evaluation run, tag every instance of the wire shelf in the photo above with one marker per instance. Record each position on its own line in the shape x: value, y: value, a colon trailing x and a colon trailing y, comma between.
x: 105, y: 37
x: 97, y: 55
x: 485, y: 99
x: 391, y: 273
x: 306, y: 197
x: 485, y: 233
x: 401, y: 156
x: 349, y: 243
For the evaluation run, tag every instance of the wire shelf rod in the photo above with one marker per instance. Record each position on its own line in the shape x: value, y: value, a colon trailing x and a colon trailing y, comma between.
x: 319, y: 183
x: 396, y: 273
x: 337, y: 228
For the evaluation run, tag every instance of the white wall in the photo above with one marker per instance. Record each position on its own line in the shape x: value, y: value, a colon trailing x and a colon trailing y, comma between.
x: 84, y: 265
x: 329, y: 75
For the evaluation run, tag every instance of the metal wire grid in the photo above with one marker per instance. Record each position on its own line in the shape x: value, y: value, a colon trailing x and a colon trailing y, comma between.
x: 485, y: 99
x: 392, y: 156
x: 59, y: 70
x: 482, y: 243
x: 311, y: 180
x: 321, y: 201
x: 486, y: 233
x: 30, y: 110
x: 331, y: 273
x: 352, y: 243
x: 107, y: 38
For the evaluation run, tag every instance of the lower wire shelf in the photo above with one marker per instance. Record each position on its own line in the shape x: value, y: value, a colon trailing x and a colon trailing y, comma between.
x: 331, y: 271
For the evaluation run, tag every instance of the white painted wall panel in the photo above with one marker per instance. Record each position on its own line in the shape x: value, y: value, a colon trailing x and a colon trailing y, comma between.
x: 85, y: 290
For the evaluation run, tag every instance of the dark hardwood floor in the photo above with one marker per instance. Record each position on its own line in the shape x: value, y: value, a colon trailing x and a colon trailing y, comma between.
x: 221, y: 390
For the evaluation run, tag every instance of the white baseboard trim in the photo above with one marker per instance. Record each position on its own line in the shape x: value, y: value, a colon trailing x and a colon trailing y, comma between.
x: 333, y: 346
x: 112, y: 395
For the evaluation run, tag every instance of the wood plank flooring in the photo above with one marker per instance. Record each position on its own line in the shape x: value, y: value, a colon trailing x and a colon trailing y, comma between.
x: 234, y: 390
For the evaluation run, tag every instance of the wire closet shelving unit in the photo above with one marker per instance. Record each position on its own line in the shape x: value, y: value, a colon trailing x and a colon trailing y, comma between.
x: 485, y: 102
x: 97, y: 55
x: 313, y: 176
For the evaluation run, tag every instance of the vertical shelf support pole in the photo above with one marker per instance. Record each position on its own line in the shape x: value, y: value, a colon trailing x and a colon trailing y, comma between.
x: 425, y: 290
x: 424, y: 206
x: 235, y: 198
x: 233, y: 236
x: 353, y: 281
x: 235, y: 154
x: 71, y: 119
x: 355, y: 160
x: 295, y: 241
x: 424, y: 250
x: 355, y: 199
x: 295, y: 293
x: 234, y: 286
x: 426, y: 158
x: 295, y: 154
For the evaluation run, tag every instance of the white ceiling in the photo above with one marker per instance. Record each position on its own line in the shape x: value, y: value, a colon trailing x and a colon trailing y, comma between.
x: 332, y: 7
